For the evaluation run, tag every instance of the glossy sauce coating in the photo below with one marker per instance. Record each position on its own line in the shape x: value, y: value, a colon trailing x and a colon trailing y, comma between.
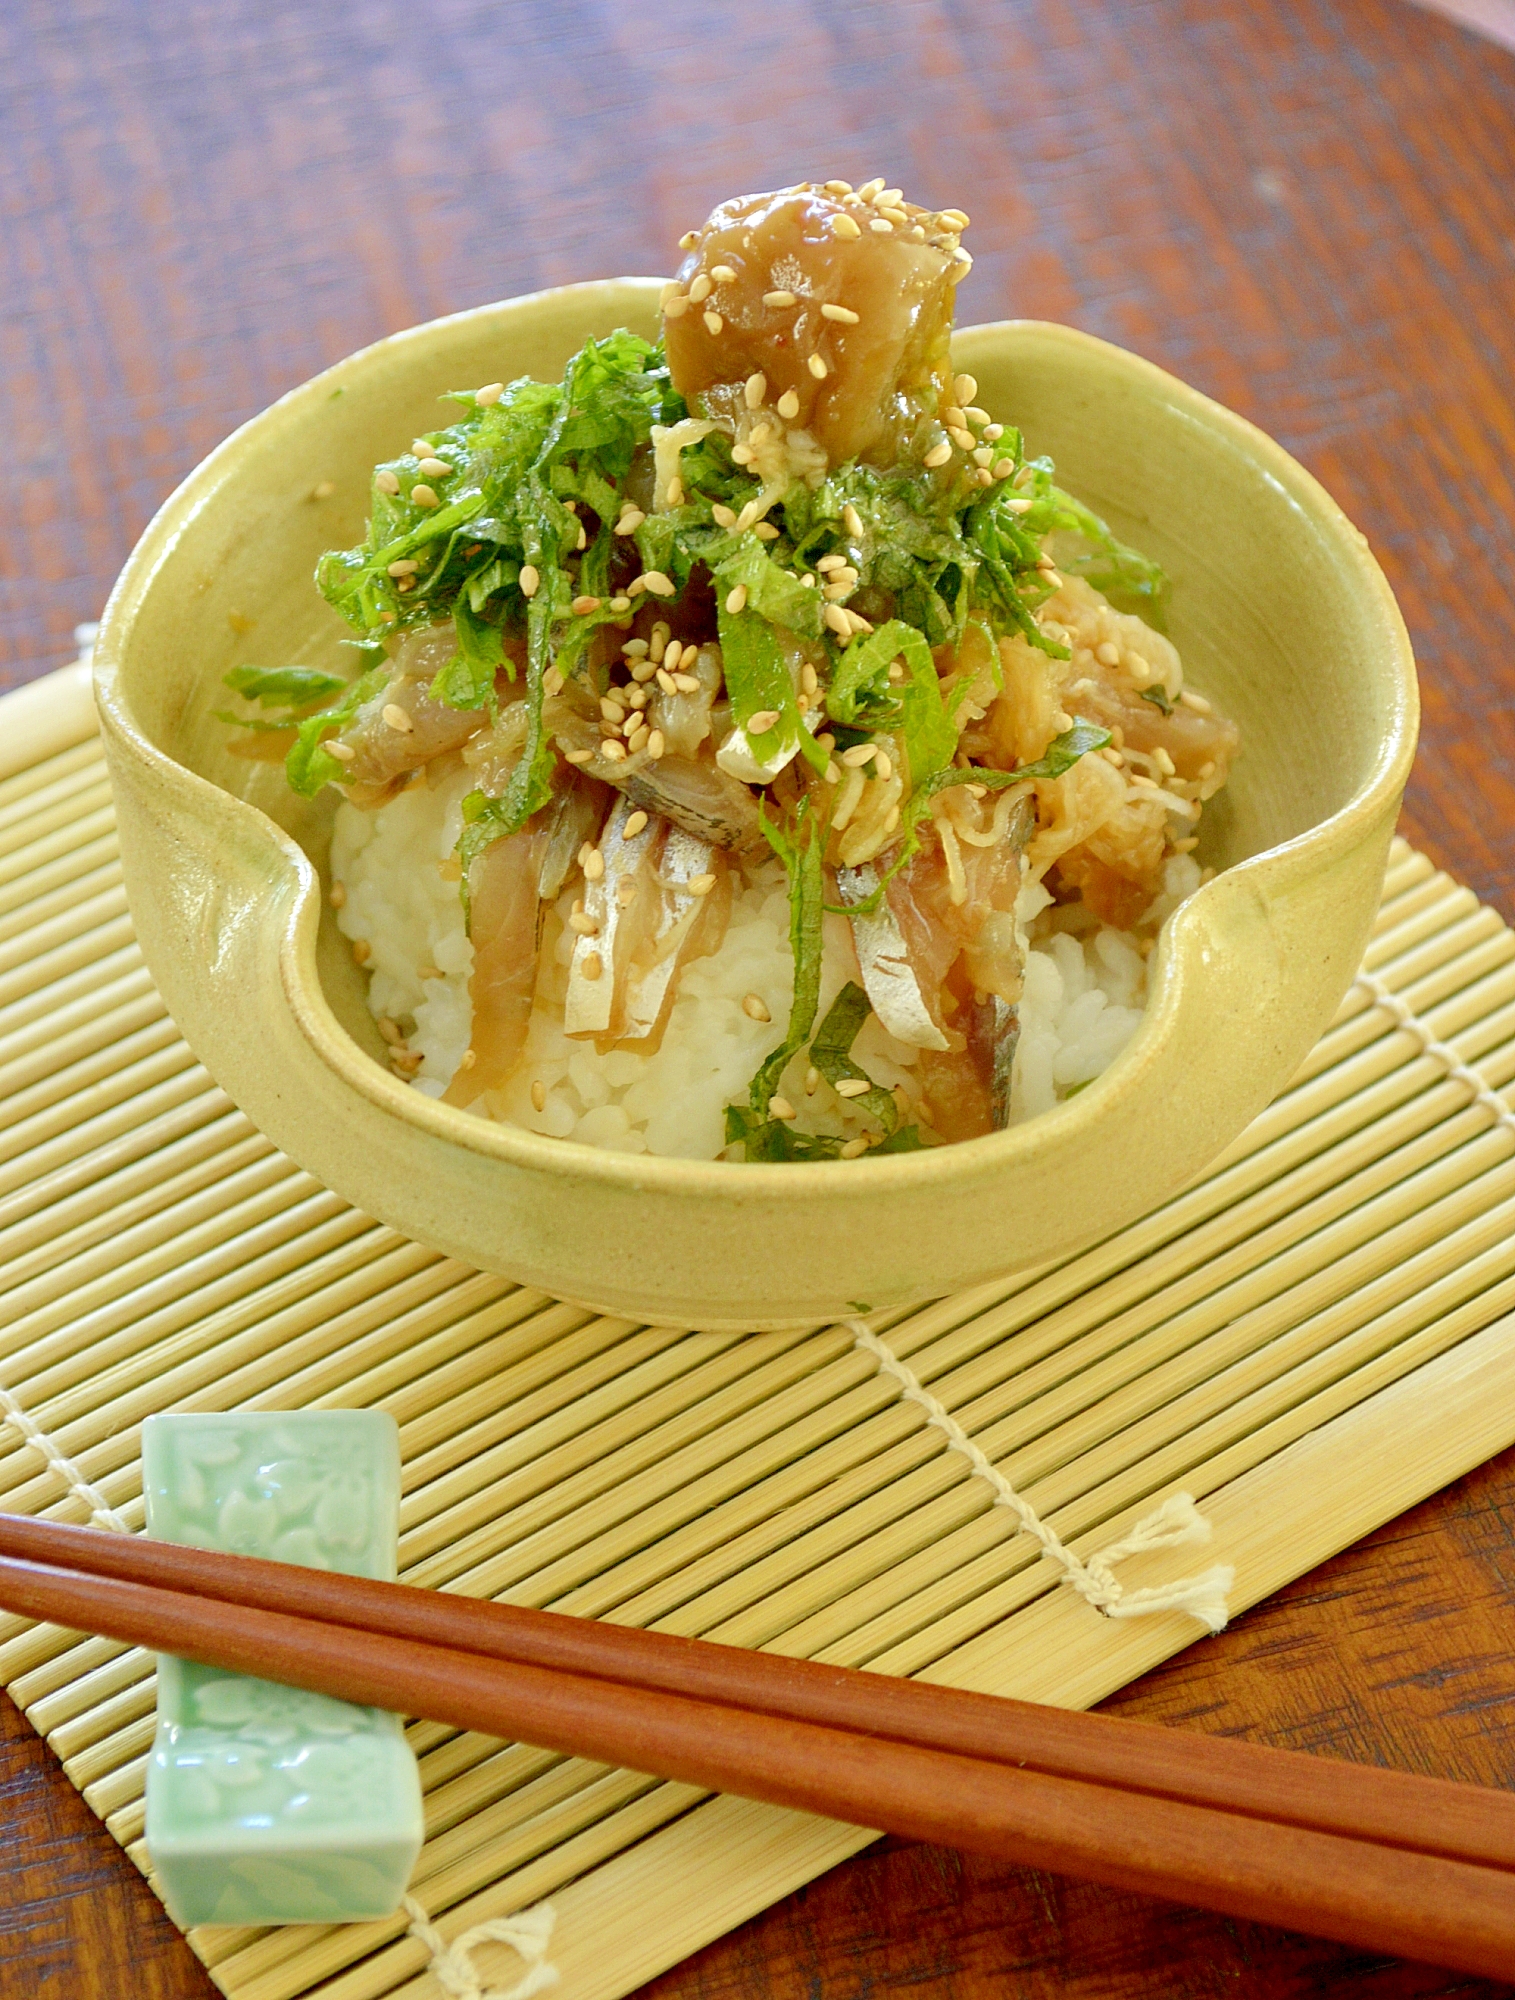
x: 789, y: 255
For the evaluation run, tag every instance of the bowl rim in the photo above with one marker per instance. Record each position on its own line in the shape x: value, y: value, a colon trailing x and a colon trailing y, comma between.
x: 967, y: 1161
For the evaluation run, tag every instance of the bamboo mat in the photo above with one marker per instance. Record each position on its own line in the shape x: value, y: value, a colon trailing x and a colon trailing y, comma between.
x: 1315, y: 1335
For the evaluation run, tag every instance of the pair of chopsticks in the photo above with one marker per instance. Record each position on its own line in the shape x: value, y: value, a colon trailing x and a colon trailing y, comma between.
x: 1412, y: 1866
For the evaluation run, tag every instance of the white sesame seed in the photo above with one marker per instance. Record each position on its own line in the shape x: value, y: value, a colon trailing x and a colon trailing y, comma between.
x: 754, y: 389
x: 837, y: 187
x: 577, y: 756
x: 831, y: 562
x: 1107, y: 653
x: 612, y: 751
x: 724, y: 517
x: 422, y: 496
x: 789, y: 405
x: 859, y: 754
x: 1165, y: 763
x: 953, y: 417
x: 853, y: 1086
x: 747, y: 516
x: 421, y: 447
x: 1018, y: 503
x: 1002, y: 468
x: 362, y: 951
x: 630, y: 521
x: 665, y: 681
x: 845, y: 227
x: 723, y: 274
x: 778, y: 299
x: 817, y: 367
x: 538, y: 1095
x: 338, y: 896
x: 404, y: 567
x: 881, y: 226
x: 975, y: 415
x: 832, y: 774
x: 838, y: 620
x: 592, y: 966
x: 870, y: 188
x: 436, y: 468
x: 882, y: 765
x: 655, y: 581
x: 529, y: 580
x: 397, y: 719
x: 958, y: 220
x: 489, y: 394
x: 891, y: 819
x: 736, y: 599
x: 964, y: 390
x: 810, y: 680
x: 582, y: 606
x: 812, y: 1080
x: 854, y: 1149
x: 701, y: 289
x: 852, y: 521
x: 780, y: 1107
x: 585, y: 926
x: 713, y: 322
x: 762, y: 722
x: 701, y: 885
x: 676, y: 307
x: 1196, y: 701
x: 552, y: 681
x: 633, y: 826
x: 674, y: 495
x: 659, y: 644
x: 689, y: 238
x: 655, y: 745
x: 620, y: 604
x: 963, y: 438
x: 938, y: 455
x: 742, y: 454
x: 386, y: 482
x: 756, y: 1008
x: 687, y: 683
x: 843, y: 315
x: 766, y: 532
x: 592, y: 862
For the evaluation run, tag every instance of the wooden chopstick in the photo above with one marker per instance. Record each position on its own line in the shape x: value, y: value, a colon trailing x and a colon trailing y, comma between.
x: 1392, y: 1808
x: 1382, y: 1898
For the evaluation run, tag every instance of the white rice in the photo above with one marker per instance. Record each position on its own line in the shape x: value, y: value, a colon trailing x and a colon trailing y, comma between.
x: 1083, y: 1000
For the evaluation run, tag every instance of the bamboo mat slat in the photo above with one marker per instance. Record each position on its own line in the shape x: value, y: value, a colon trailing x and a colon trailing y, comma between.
x: 1314, y: 1335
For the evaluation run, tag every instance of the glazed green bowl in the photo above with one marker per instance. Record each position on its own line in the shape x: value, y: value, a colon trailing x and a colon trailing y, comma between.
x: 1278, y: 608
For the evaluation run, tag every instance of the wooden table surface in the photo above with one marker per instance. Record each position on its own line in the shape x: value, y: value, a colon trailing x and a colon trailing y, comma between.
x: 1305, y: 208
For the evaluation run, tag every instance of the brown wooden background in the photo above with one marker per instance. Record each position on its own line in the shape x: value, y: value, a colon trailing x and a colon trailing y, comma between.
x: 1306, y: 208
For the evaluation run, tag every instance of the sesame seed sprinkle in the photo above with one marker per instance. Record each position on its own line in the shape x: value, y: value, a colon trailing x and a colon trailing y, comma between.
x: 755, y: 1007
x: 964, y: 390
x: 436, y: 468
x: 592, y: 966
x: 713, y: 322
x: 421, y: 495
x: 577, y: 756
x: 789, y: 405
x: 489, y: 395
x: 762, y: 722
x: 780, y: 1107
x: 397, y: 718
x: 736, y: 599
x: 701, y: 289
x: 593, y: 863
x: 855, y: 1149
x: 406, y: 566
x: 529, y: 580
x: 853, y: 1086
x: 676, y: 307
x: 754, y: 389
x: 859, y: 754
x: 582, y: 606
x: 881, y: 226
x: 538, y: 1095
x: 844, y: 226
x: 843, y: 315
x: 778, y: 299
x: 818, y: 367
x: 852, y: 521
x: 338, y: 896
x: 701, y: 885
x: 362, y: 951
x: 386, y: 482
x: 938, y: 455
x: 723, y: 274
x: 655, y: 745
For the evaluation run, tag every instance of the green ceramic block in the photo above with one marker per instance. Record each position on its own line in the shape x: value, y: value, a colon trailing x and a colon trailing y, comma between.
x: 266, y: 1804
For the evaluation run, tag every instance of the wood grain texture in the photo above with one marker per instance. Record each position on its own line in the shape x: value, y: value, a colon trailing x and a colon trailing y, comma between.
x: 1307, y: 209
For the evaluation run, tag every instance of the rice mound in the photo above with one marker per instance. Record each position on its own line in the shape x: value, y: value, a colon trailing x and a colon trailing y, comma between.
x: 1086, y: 987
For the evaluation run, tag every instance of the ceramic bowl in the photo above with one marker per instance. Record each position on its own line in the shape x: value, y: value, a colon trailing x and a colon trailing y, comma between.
x: 1279, y: 610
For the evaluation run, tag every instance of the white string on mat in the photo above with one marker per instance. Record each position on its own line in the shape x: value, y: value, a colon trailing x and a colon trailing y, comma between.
x: 528, y: 1932
x: 32, y: 1432
x: 1483, y: 1092
x: 1176, y: 1521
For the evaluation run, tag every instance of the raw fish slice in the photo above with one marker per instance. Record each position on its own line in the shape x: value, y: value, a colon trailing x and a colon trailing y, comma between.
x: 506, y: 928
x: 622, y: 903
x: 890, y: 978
x: 689, y: 926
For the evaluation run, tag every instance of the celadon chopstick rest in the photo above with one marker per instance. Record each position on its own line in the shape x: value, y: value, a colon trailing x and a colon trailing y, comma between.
x: 267, y: 1804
